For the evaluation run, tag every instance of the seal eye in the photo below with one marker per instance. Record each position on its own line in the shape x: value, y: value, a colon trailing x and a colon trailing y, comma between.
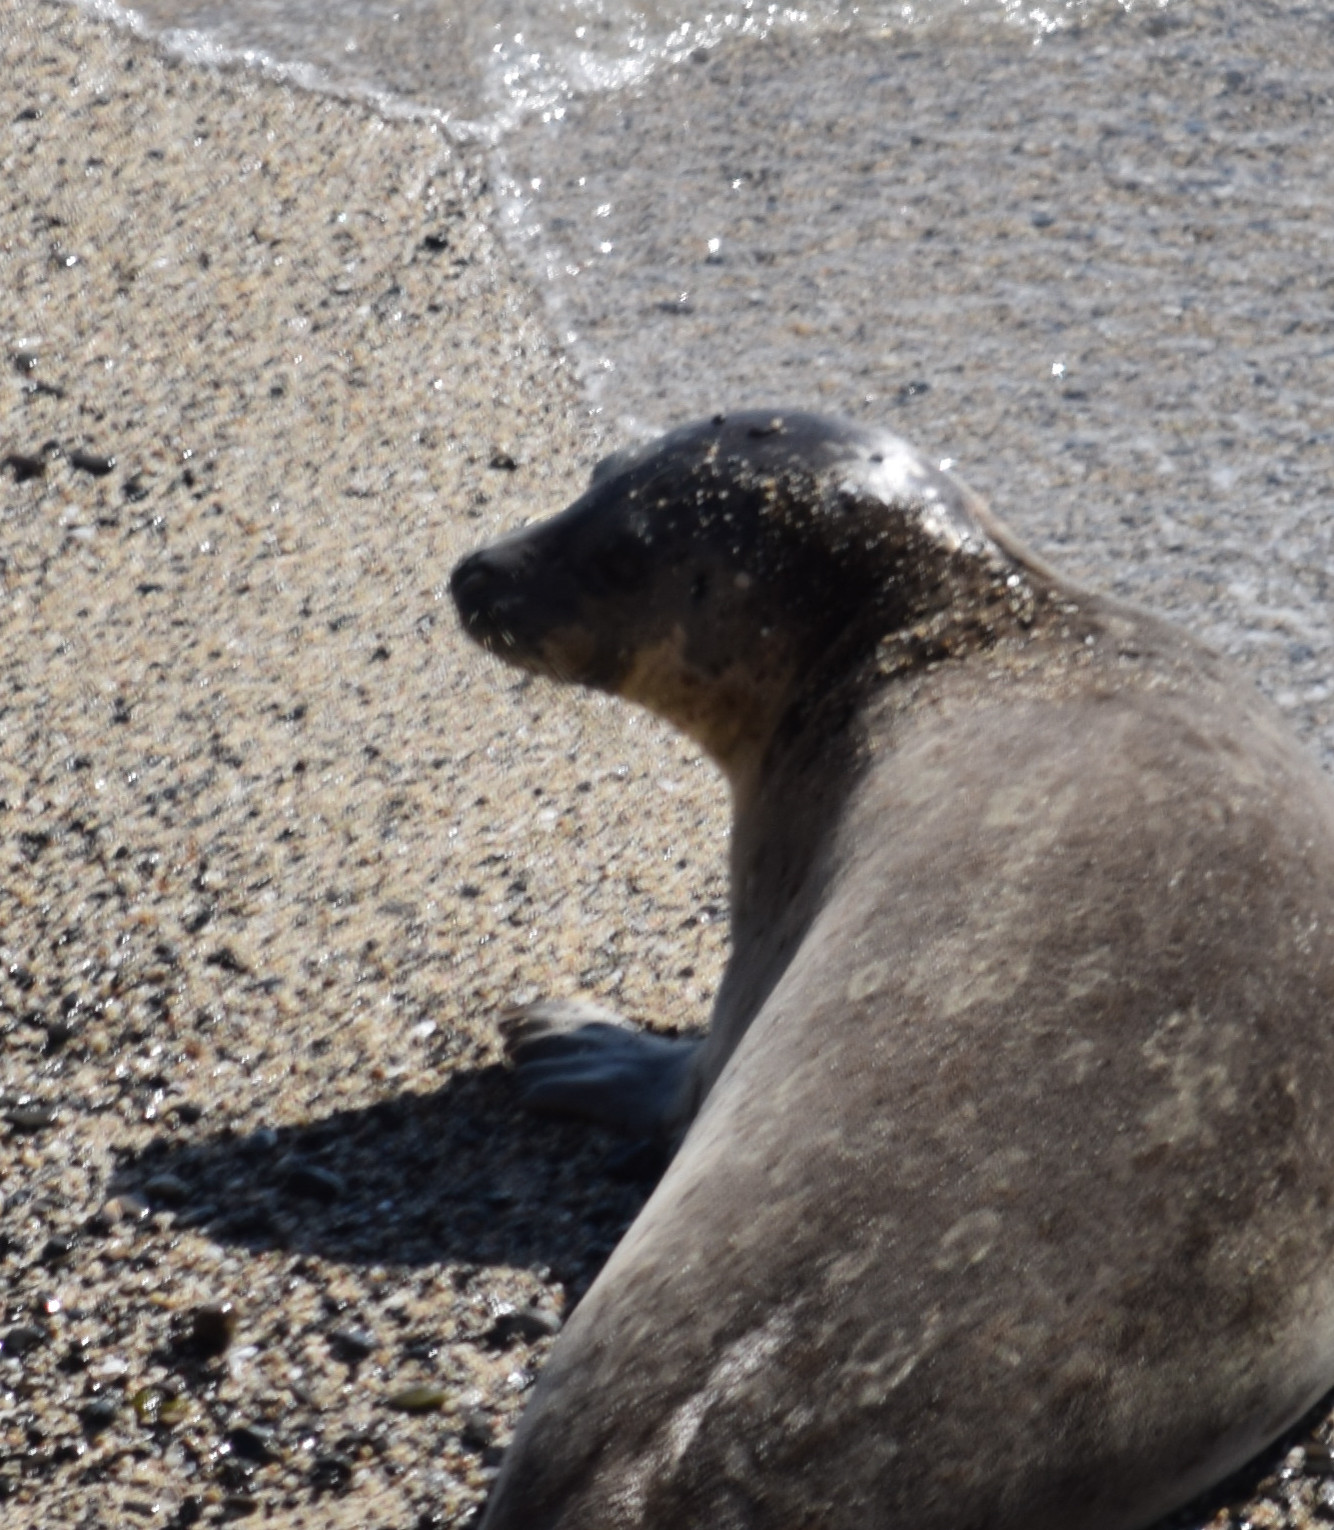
x: 620, y: 566
x: 699, y: 588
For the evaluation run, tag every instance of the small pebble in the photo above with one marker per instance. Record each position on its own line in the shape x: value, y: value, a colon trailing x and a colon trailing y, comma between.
x: 92, y: 462
x: 31, y: 1117
x: 527, y: 1323
x: 167, y: 1190
x: 331, y: 1474
x: 253, y: 1442
x: 21, y: 1338
x: 148, y: 1403
x: 422, y: 1399
x: 99, y: 1414
x: 478, y: 1430
x: 212, y: 1328
x: 352, y: 1344
x: 259, y: 1143
x: 119, y: 1209
x: 314, y: 1181
x: 25, y: 466
x: 196, y: 918
x: 56, y: 1249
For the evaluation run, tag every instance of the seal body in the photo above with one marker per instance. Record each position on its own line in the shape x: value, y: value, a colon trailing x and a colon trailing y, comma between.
x: 1004, y: 1194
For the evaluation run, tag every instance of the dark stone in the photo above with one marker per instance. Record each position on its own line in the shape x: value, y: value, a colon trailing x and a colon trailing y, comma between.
x: 75, y: 1358
x: 478, y: 1430
x: 351, y: 1345
x: 25, y: 466
x: 167, y: 1190
x: 235, y: 1474
x: 331, y: 1474
x: 1317, y: 1460
x: 92, y: 462
x: 31, y: 1117
x: 212, y: 1328
x: 21, y: 1338
x: 253, y: 1442
x: 227, y: 959
x: 58, y: 1032
x: 99, y: 1414
x: 527, y: 1323
x: 54, y: 1250
x: 196, y: 1216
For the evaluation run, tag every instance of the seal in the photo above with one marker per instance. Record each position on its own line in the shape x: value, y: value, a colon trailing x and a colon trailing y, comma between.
x: 1004, y: 1194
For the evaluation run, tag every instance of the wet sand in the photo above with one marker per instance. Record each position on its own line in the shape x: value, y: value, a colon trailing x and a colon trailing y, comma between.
x: 277, y: 846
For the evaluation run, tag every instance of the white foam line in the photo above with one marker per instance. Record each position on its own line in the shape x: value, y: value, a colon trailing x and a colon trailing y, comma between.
x: 521, y: 81
x: 202, y: 49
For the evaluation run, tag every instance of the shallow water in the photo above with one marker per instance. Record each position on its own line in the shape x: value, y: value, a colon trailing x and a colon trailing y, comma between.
x: 1082, y: 251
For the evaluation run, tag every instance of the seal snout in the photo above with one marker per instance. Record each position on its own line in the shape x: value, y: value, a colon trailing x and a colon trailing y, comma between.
x: 510, y: 600
x: 475, y: 583
x: 489, y: 590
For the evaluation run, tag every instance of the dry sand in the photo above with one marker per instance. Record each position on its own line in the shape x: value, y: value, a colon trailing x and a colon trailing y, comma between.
x: 277, y: 846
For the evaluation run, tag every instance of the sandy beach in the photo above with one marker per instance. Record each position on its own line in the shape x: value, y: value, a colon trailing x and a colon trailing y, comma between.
x: 277, y: 846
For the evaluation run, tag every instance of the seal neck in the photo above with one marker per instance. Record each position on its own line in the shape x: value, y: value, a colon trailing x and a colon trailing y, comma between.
x: 957, y: 602
x: 790, y: 787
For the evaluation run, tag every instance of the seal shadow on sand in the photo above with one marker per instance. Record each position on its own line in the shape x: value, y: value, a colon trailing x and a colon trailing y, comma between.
x: 457, y: 1175
x: 462, y: 1175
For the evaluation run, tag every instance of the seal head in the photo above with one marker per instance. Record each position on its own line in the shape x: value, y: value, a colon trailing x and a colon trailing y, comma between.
x: 707, y: 574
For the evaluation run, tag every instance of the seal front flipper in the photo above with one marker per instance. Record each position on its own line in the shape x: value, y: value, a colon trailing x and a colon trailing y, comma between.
x: 577, y: 1059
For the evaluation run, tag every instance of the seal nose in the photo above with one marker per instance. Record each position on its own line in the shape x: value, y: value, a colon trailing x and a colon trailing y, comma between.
x: 474, y: 583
